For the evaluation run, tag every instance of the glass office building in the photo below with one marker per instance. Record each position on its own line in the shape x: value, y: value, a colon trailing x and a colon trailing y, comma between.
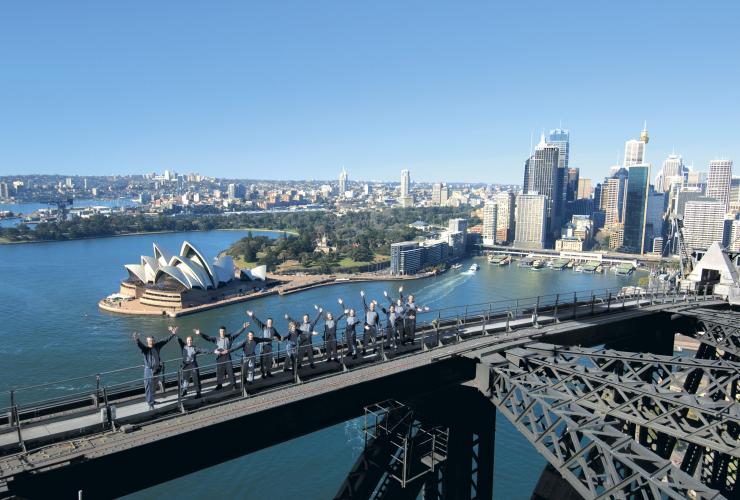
x: 635, y: 208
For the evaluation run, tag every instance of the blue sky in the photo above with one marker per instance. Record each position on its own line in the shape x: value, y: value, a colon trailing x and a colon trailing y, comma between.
x: 286, y: 90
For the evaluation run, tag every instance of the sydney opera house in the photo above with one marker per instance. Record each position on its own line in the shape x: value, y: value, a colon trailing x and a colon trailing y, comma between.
x: 186, y: 279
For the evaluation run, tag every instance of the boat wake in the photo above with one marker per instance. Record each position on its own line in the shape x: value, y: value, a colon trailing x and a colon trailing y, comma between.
x: 447, y: 287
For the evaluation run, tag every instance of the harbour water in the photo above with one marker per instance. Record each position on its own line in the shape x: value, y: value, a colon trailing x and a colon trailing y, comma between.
x: 52, y: 329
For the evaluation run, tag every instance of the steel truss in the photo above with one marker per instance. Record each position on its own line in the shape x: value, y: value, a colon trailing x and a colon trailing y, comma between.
x: 609, y: 421
x: 720, y: 329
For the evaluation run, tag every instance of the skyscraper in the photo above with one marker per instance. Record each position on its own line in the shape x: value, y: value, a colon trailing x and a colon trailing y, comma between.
x: 703, y: 223
x: 560, y: 138
x: 490, y: 222
x: 719, y: 181
x: 531, y: 221
x: 634, y: 150
x: 673, y: 172
x: 612, y: 197
x: 635, y: 211
x: 440, y: 193
x: 584, y: 188
x: 342, y: 182
x: 572, y: 184
x: 4, y: 191
x: 505, y: 215
x: 405, y: 183
x: 541, y: 177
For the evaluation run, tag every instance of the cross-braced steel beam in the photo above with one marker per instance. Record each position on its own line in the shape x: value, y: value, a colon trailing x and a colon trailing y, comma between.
x: 586, y: 447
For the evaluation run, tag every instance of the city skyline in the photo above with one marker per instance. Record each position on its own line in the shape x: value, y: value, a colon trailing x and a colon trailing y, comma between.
x: 153, y: 92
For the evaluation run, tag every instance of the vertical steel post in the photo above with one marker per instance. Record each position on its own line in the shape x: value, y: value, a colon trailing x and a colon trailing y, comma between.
x: 243, y: 375
x: 516, y: 309
x: 593, y: 302
x: 179, y: 391
x: 97, y: 391
x: 535, y: 322
x: 575, y: 304
x: 555, y: 310
x: 609, y: 303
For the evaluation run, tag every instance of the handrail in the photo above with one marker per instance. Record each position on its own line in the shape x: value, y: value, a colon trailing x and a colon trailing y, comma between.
x: 435, y: 328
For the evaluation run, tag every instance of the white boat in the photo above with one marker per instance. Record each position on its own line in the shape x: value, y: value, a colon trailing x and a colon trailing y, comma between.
x: 455, y: 266
x: 474, y: 268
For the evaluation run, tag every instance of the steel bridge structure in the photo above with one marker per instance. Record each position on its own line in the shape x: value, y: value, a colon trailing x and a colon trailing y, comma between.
x: 590, y: 379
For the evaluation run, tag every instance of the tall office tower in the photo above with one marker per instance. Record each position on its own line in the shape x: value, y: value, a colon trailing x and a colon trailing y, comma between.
x: 735, y: 194
x: 572, y: 184
x: 656, y: 205
x: 560, y: 138
x: 541, y: 177
x: 597, y: 196
x: 634, y: 150
x: 635, y: 212
x: 68, y: 183
x: 490, y: 222
x: 719, y: 180
x: 405, y: 183
x: 531, y: 221
x: 4, y: 191
x: 584, y: 188
x: 673, y: 172
x: 613, y: 197
x: 703, y: 223
x: 236, y: 191
x: 505, y: 217
x: 342, y: 182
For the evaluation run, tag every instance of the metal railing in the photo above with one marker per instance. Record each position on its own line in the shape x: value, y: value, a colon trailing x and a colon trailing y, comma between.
x: 102, y: 392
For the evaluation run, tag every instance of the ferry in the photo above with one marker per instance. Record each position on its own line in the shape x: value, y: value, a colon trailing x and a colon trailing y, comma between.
x: 474, y: 268
x: 537, y: 265
x: 499, y: 260
x: 456, y: 266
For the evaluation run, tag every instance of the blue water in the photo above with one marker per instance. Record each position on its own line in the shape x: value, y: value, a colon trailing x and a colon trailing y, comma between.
x: 28, y: 208
x: 52, y: 329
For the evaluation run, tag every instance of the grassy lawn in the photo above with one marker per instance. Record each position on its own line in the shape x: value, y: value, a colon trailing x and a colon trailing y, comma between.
x: 349, y: 263
x: 243, y: 264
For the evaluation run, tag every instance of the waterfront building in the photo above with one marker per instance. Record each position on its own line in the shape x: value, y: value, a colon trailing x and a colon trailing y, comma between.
x: 236, y: 191
x: 583, y: 190
x: 703, y: 223
x: 656, y: 206
x: 490, y: 222
x: 569, y: 244
x: 4, y: 191
x: 616, y: 237
x: 505, y: 204
x: 635, y: 149
x: 541, y: 177
x: 531, y: 221
x: 613, y: 197
x: 185, y: 279
x: 719, y: 181
x: 401, y: 264
x: 583, y: 228
x: 342, y: 182
x: 456, y: 242
x: 636, y: 198
x: 435, y: 252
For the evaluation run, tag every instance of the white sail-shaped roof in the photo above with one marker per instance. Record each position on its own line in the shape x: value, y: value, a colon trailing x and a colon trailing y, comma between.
x: 150, y: 265
x: 162, y: 255
x: 188, y: 251
x: 137, y: 270
x: 195, y: 273
x: 190, y: 268
x: 224, y: 268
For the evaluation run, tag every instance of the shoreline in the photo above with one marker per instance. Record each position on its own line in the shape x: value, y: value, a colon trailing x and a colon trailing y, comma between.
x: 8, y: 242
x: 284, y: 289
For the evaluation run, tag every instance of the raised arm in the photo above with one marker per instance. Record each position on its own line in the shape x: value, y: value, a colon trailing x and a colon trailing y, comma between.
x: 319, y: 310
x: 364, y: 303
x: 232, y: 336
x: 181, y: 342
x: 138, y: 342
x: 291, y: 320
x: 256, y: 320
x: 344, y: 313
x: 205, y: 336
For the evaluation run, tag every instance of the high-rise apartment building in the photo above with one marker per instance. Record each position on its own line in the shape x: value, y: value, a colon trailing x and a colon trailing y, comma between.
x: 635, y: 208
x: 531, y: 221
x: 571, y: 185
x: 506, y: 209
x: 703, y: 223
x: 440, y: 194
x: 342, y: 182
x: 719, y: 180
x: 613, y: 197
x: 490, y: 222
x: 735, y: 194
x: 4, y: 191
x: 541, y: 177
x: 405, y: 183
